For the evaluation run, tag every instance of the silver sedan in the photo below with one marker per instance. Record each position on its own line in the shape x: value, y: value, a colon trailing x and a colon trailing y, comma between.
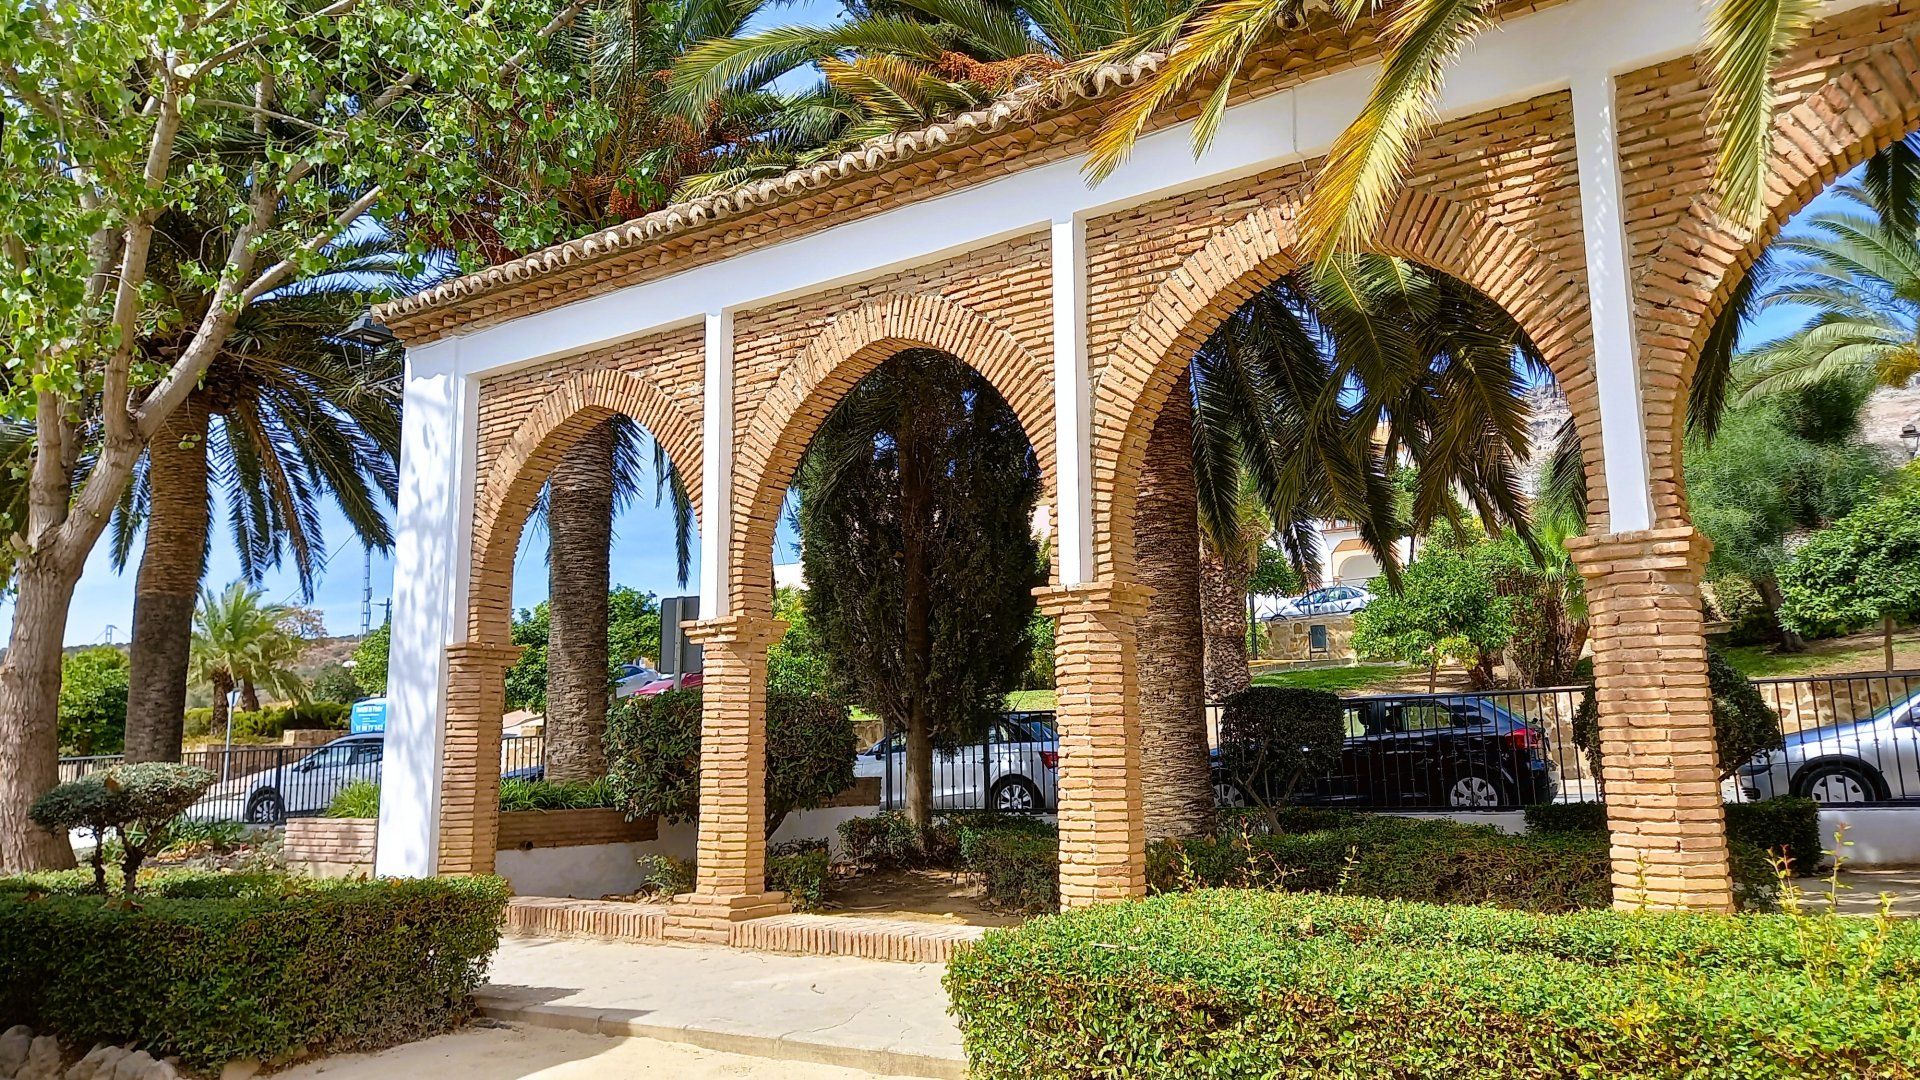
x: 1862, y: 761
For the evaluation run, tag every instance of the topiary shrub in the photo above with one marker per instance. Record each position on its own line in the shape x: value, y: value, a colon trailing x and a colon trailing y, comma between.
x: 137, y: 802
x: 653, y: 754
x: 1743, y: 723
x: 217, y: 967
x: 1234, y: 984
x: 1273, y: 738
x: 1019, y: 869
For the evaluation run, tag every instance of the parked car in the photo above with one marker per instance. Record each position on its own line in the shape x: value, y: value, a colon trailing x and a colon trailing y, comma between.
x: 281, y: 786
x: 633, y: 679
x: 1333, y: 600
x: 1014, y: 771
x: 1428, y: 753
x: 1876, y: 759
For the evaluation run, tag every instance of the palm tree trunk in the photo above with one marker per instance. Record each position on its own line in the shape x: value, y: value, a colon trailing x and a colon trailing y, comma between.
x: 580, y: 535
x: 1175, y: 780
x: 29, y: 714
x: 222, y: 707
x: 249, y: 697
x: 167, y: 584
x: 1223, y: 614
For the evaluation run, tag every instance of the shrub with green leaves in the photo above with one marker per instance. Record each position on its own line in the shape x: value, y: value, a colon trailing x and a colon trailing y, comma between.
x: 137, y: 802
x: 361, y: 798
x: 358, y: 799
x: 799, y: 869
x: 653, y: 754
x: 1274, y: 737
x: 1239, y: 984
x: 93, y: 701
x: 1743, y: 723
x: 214, y: 967
x: 1787, y: 826
x: 887, y: 841
x: 1019, y: 869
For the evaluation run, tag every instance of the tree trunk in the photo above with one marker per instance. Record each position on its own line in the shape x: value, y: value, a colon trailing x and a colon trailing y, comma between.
x: 1176, y: 784
x: 916, y: 521
x: 29, y: 714
x: 1886, y: 638
x: 249, y: 696
x: 222, y: 708
x: 1223, y: 614
x: 580, y: 536
x: 1769, y: 589
x: 167, y: 585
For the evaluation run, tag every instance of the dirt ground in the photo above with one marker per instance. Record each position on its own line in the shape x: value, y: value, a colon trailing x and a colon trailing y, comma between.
x: 934, y: 896
x: 491, y: 1051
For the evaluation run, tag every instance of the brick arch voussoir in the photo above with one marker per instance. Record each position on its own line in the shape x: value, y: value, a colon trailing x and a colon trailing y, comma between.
x: 1687, y: 283
x: 1548, y: 300
x: 852, y: 345
x: 520, y: 468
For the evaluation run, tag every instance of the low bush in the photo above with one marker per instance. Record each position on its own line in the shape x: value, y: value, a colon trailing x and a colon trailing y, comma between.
x: 359, y: 799
x: 214, y: 967
x: 800, y: 870
x: 1018, y: 868
x: 197, y: 723
x: 556, y: 795
x: 887, y: 841
x: 664, y: 876
x: 1787, y: 826
x: 137, y: 802
x: 1232, y: 984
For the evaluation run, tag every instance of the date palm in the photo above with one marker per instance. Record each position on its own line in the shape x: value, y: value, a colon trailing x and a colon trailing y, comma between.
x: 240, y: 641
x: 1210, y: 42
x: 288, y: 418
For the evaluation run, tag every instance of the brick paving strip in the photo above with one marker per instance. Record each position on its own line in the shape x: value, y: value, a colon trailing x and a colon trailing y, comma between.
x: 880, y: 1016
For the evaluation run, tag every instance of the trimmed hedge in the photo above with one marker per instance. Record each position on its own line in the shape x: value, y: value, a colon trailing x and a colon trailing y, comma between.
x: 1788, y: 824
x: 800, y: 869
x: 1231, y: 984
x: 1019, y: 868
x: 217, y: 967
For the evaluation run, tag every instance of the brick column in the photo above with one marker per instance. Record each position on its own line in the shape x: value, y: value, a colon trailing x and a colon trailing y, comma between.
x: 470, y: 774
x: 1097, y: 711
x: 1662, y: 778
x: 731, y: 885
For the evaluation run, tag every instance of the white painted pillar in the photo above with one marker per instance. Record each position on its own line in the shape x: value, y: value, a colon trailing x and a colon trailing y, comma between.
x: 431, y: 566
x: 716, y: 468
x: 1072, y: 403
x: 1616, y: 350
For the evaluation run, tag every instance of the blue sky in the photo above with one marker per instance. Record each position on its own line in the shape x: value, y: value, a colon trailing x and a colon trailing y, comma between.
x: 643, y: 551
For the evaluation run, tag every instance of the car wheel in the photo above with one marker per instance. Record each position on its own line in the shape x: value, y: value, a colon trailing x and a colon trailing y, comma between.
x: 266, y: 808
x: 1015, y: 795
x: 1839, y: 783
x: 1475, y: 791
x: 1228, y: 796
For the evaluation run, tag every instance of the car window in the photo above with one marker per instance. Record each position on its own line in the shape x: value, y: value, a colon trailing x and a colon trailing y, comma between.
x: 1423, y: 717
x: 367, y: 753
x: 1356, y: 727
x: 327, y: 756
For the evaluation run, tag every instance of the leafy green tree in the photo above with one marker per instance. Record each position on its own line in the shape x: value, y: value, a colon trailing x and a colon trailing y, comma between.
x: 916, y: 504
x: 1446, y: 608
x: 93, y: 701
x: 633, y: 632
x: 293, y: 122
x: 370, y: 660
x: 242, y: 642
x: 334, y: 682
x: 1864, y: 569
x: 1787, y: 464
x: 1743, y: 723
x: 1272, y: 738
x: 796, y: 664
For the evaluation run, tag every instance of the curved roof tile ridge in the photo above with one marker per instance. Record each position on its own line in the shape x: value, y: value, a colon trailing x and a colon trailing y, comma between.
x: 874, y: 155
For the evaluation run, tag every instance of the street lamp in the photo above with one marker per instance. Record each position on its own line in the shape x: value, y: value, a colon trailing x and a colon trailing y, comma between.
x: 368, y: 333
x: 1911, y: 436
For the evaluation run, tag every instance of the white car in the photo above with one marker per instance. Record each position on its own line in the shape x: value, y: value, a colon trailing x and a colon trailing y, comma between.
x: 1332, y: 600
x: 269, y: 785
x: 1015, y: 772
x: 633, y: 679
x: 1876, y: 759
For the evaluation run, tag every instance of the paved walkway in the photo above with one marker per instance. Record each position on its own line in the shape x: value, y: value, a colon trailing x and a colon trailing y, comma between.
x: 1860, y: 891
x: 880, y: 1016
x: 517, y: 1052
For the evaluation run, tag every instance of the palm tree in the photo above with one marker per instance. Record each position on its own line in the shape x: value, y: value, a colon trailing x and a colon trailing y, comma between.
x: 1368, y: 163
x: 303, y: 418
x: 241, y: 642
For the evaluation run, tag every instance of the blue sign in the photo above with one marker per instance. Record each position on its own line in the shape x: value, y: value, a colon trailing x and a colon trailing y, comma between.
x: 368, y: 716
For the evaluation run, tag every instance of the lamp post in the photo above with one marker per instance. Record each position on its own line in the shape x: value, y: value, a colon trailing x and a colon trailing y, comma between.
x: 1910, y: 435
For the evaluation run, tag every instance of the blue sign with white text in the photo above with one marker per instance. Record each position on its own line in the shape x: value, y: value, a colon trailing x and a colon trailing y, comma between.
x: 368, y: 716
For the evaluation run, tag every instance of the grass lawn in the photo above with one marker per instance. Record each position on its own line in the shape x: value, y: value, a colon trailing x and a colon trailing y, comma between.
x: 1349, y: 679
x: 1030, y: 700
x: 1834, y: 656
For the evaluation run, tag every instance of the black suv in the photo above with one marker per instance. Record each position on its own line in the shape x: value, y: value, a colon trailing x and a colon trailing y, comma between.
x: 1428, y: 753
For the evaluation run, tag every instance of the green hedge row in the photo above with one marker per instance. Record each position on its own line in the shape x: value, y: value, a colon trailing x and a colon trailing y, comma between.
x: 1787, y: 825
x: 218, y: 967
x: 273, y: 721
x: 1232, y: 983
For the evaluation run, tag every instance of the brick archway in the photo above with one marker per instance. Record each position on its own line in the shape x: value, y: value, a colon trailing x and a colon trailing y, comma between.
x: 853, y: 344
x: 1859, y: 111
x: 1549, y: 300
x: 521, y: 466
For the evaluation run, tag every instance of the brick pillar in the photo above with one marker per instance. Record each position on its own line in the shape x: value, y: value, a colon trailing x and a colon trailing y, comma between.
x: 470, y: 777
x: 1097, y: 711
x: 731, y: 885
x: 1662, y: 778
